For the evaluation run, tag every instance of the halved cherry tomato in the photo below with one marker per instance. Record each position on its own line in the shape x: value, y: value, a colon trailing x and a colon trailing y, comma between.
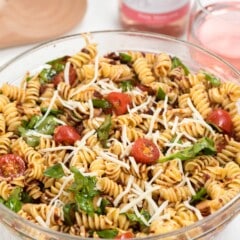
x: 119, y: 102
x: 125, y: 235
x: 11, y: 165
x: 221, y: 119
x: 145, y: 151
x: 66, y: 135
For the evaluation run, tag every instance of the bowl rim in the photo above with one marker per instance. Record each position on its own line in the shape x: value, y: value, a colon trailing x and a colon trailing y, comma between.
x: 177, y: 232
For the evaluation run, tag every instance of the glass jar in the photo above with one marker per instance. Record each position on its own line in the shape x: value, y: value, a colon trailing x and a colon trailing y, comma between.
x: 161, y: 16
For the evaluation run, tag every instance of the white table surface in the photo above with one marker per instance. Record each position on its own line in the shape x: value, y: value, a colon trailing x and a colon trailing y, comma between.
x: 101, y: 15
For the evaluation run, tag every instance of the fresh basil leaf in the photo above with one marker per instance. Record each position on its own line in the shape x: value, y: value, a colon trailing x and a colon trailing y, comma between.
x: 107, y: 233
x: 46, y: 75
x: 53, y: 112
x: 33, y: 122
x: 160, y: 94
x: 104, y: 130
x: 199, y: 196
x: 101, y: 210
x: 58, y: 64
x: 176, y: 62
x: 84, y: 189
x: 69, y: 210
x: 32, y: 141
x: 101, y: 103
x: 48, y: 125
x: 26, y: 198
x: 126, y: 86
x: 28, y: 78
x: 14, y: 201
x: 55, y: 171
x: 2, y: 200
x: 212, y: 79
x: 125, y: 58
x: 135, y: 219
x: 202, y: 146
x: 85, y: 203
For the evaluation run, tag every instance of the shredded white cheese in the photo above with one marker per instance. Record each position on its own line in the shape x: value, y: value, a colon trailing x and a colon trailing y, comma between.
x: 66, y: 72
x: 158, y: 212
x: 196, y: 211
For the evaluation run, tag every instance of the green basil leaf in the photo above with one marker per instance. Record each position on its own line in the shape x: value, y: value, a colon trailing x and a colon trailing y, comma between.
x: 202, y: 146
x: 199, y: 196
x: 160, y: 94
x: 101, y: 103
x: 32, y: 141
x: 33, y: 122
x: 69, y: 210
x: 101, y: 210
x: 58, y: 64
x: 85, y: 203
x: 48, y: 125
x: 53, y: 112
x: 2, y: 200
x: 125, y: 58
x: 126, y: 86
x: 135, y: 219
x: 212, y: 79
x: 26, y: 198
x: 79, y: 181
x: 55, y: 171
x: 46, y: 75
x: 14, y: 201
x: 104, y: 130
x: 176, y: 62
x: 107, y: 233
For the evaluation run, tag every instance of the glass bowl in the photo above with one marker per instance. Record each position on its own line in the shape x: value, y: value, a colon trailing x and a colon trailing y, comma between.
x: 194, y: 57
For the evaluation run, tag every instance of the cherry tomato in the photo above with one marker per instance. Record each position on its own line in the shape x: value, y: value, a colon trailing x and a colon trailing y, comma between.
x: 66, y: 135
x: 145, y: 151
x: 58, y: 78
x: 125, y: 235
x: 221, y: 119
x: 72, y: 76
x: 119, y: 102
x: 11, y: 165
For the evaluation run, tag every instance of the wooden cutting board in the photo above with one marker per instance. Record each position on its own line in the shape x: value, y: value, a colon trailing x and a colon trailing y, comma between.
x: 29, y: 21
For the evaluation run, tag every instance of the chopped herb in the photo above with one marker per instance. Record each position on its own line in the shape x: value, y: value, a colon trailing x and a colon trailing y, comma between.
x: 48, y: 125
x: 160, y: 94
x: 46, y: 75
x: 176, y: 62
x: 28, y: 78
x: 84, y: 189
x: 69, y: 210
x: 212, y: 79
x: 200, y: 195
x: 102, y: 209
x: 202, y: 146
x: 126, y: 85
x: 101, y: 103
x: 26, y: 198
x: 14, y: 201
x: 53, y: 112
x: 107, y: 233
x: 2, y: 200
x: 136, y: 220
x: 104, y: 130
x: 32, y: 141
x: 58, y: 64
x: 125, y: 58
x: 55, y: 171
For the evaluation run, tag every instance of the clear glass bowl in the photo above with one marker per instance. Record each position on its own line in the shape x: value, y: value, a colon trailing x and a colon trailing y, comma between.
x: 194, y: 57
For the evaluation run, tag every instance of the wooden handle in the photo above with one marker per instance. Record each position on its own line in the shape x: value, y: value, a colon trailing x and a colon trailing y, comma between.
x: 29, y: 21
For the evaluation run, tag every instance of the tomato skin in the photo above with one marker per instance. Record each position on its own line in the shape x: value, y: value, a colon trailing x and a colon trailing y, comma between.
x: 145, y: 151
x: 60, y: 77
x: 66, y: 135
x: 221, y: 119
x: 126, y: 235
x: 119, y: 102
x: 11, y: 166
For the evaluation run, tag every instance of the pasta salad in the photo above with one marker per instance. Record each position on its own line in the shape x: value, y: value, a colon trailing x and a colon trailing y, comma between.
x: 129, y: 144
